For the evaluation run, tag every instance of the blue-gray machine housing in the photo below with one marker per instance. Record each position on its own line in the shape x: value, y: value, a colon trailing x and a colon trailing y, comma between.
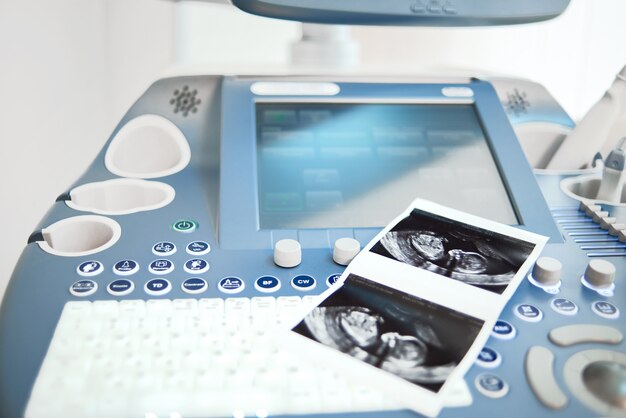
x: 218, y: 190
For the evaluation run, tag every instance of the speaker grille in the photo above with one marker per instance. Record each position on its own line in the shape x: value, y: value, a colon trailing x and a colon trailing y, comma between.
x: 185, y: 101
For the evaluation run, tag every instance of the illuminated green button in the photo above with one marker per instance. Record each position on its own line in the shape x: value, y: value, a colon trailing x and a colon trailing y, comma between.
x: 185, y: 225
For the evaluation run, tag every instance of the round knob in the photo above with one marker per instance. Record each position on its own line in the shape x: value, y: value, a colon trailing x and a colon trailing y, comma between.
x: 345, y: 250
x: 600, y: 273
x: 287, y: 253
x: 547, y: 271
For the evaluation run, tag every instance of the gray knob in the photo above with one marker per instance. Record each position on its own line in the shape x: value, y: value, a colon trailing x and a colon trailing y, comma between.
x: 287, y: 253
x: 345, y: 249
x: 547, y: 271
x: 600, y: 273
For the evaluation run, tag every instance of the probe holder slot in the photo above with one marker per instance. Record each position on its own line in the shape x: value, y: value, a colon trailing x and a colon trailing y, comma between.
x: 120, y: 196
x: 148, y: 146
x: 80, y: 235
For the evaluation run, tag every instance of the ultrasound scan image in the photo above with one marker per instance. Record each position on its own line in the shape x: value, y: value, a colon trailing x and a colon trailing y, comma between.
x: 414, y: 339
x: 462, y: 252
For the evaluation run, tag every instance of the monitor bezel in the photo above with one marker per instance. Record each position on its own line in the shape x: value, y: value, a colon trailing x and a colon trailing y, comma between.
x: 239, y: 224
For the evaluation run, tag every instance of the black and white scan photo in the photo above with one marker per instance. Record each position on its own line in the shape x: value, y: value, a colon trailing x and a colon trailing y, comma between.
x: 412, y: 338
x: 463, y: 252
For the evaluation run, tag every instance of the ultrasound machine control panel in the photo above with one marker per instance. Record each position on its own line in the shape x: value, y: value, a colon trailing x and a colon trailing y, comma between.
x: 214, y: 210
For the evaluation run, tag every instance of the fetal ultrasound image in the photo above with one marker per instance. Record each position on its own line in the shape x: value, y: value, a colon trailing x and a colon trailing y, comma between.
x: 414, y: 339
x: 453, y: 249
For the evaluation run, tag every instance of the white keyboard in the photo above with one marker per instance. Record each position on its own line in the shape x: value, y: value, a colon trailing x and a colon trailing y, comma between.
x: 185, y: 358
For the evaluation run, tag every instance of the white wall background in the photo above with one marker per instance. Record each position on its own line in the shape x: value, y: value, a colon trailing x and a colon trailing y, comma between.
x: 69, y: 69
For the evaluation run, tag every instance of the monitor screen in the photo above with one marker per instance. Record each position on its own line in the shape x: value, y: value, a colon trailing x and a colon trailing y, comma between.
x: 358, y: 165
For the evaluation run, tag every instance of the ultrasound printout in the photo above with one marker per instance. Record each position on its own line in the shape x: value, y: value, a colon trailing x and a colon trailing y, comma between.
x: 414, y: 308
x: 414, y: 339
x: 454, y: 249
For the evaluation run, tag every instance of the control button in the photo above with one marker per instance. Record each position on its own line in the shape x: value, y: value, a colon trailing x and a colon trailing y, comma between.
x: 580, y: 334
x: 196, y: 266
x: 457, y: 92
x: 607, y: 221
x: 83, y: 288
x: 345, y: 249
x: 503, y: 330
x: 491, y: 385
x: 90, y: 268
x: 125, y: 267
x: 564, y: 306
x: 489, y: 358
x: 287, y: 253
x: 185, y: 225
x: 267, y: 284
x: 539, y: 367
x: 332, y: 279
x: 547, y: 271
x: 598, y: 215
x: 434, y: 7
x: 615, y: 229
x: 198, y: 248
x: 605, y: 309
x: 194, y: 285
x: 600, y: 273
x: 120, y: 287
x: 449, y: 9
x: 164, y: 248
x: 528, y: 313
x: 303, y: 282
x: 418, y: 7
x: 231, y: 285
x: 157, y: 287
x: 161, y: 267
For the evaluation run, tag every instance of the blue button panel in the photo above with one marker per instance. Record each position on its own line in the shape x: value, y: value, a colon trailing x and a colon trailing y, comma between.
x: 90, y: 268
x: 491, y: 385
x: 528, y: 312
x: 198, y: 248
x: 194, y: 285
x: 125, y: 267
x: 83, y: 288
x: 267, y: 284
x: 161, y: 267
x: 489, y: 358
x: 303, y: 282
x: 605, y: 309
x: 120, y: 287
x: 231, y: 285
x: 196, y: 266
x: 157, y: 287
x: 503, y: 330
x: 163, y: 248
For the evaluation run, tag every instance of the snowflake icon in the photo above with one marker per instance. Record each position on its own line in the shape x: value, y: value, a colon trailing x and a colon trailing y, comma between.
x: 185, y: 101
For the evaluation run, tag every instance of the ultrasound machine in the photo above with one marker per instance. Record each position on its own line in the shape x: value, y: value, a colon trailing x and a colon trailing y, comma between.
x: 221, y: 205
